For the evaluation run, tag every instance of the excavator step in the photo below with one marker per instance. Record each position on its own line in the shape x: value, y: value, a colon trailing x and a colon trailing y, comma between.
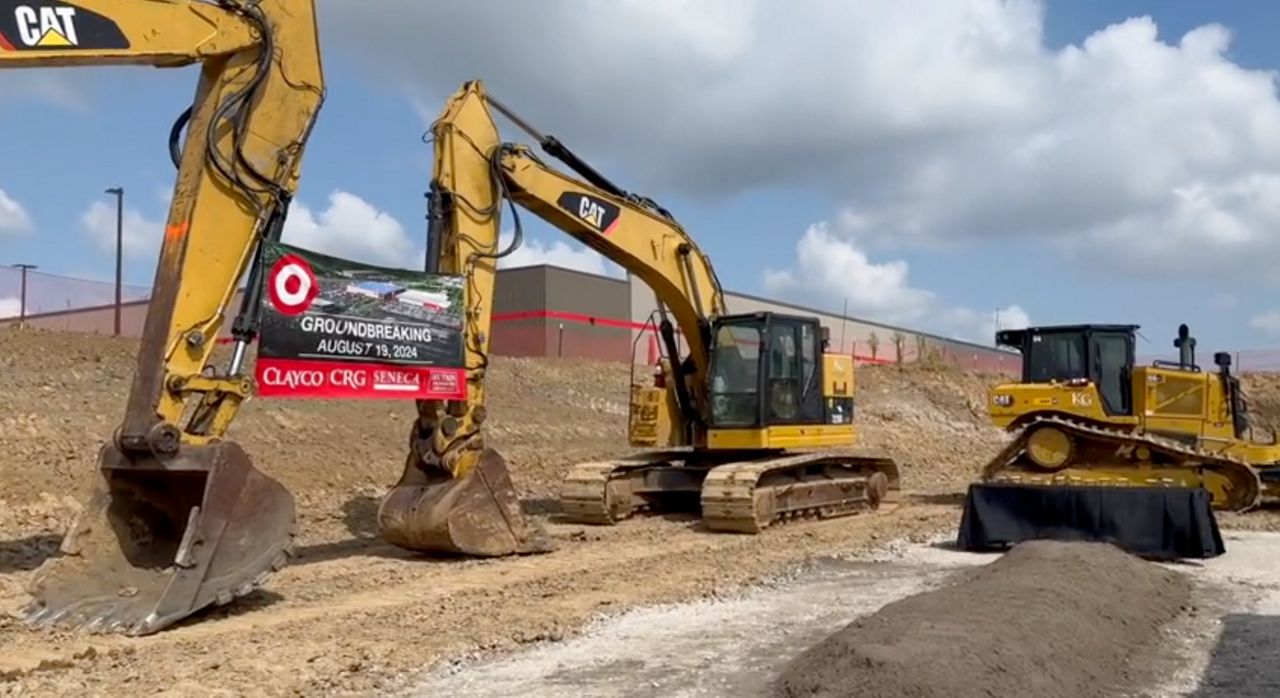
x: 1166, y: 523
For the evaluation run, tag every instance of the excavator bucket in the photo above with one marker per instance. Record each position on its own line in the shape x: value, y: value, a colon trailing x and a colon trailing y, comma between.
x: 162, y: 538
x: 477, y: 514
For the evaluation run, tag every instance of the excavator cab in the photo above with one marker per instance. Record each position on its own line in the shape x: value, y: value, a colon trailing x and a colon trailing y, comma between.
x: 766, y: 371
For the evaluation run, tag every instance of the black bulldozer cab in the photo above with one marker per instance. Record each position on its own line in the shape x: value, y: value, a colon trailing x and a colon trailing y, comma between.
x: 1103, y: 354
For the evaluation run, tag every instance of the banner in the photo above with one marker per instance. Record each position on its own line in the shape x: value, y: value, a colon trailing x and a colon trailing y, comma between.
x: 333, y: 328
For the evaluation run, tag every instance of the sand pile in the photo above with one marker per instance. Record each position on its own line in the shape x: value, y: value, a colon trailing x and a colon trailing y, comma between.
x: 1047, y: 619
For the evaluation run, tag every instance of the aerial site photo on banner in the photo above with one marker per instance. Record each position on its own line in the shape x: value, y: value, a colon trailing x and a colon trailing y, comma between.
x: 333, y: 328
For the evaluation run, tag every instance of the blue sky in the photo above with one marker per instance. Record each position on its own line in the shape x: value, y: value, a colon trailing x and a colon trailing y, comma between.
x: 1063, y: 166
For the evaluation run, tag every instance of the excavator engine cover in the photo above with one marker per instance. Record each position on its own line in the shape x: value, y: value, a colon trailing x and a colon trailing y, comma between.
x: 164, y: 537
x: 477, y: 514
x: 1165, y: 523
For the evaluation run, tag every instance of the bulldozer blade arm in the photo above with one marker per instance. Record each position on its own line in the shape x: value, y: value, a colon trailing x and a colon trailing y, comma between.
x: 477, y: 514
x: 161, y: 539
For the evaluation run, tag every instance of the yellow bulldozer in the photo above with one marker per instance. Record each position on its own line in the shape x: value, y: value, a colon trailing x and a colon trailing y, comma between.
x: 753, y: 423
x: 1085, y: 415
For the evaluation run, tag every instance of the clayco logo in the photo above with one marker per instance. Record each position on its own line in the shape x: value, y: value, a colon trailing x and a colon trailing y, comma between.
x: 292, y: 285
x: 46, y: 26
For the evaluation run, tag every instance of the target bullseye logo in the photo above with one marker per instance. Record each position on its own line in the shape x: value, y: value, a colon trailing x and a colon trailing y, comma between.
x: 292, y: 285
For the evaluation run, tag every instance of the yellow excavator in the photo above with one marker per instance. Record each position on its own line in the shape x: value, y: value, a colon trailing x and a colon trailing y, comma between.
x: 179, y: 518
x: 753, y: 426
x: 1085, y: 415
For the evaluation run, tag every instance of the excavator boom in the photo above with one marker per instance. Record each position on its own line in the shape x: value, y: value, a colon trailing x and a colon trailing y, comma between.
x: 455, y: 493
x: 179, y: 518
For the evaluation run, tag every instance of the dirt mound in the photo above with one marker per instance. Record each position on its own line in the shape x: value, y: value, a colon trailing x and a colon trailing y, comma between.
x: 1001, y: 630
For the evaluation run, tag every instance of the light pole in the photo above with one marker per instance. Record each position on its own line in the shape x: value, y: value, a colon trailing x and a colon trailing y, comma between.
x: 119, y: 193
x: 22, y: 300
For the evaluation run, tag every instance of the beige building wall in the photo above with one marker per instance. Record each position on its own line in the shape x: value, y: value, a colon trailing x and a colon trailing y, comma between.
x: 867, y: 341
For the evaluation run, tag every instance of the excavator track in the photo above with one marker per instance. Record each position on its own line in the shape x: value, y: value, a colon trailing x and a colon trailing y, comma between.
x: 751, y: 496
x: 607, y: 492
x: 1233, y: 483
x: 742, y: 497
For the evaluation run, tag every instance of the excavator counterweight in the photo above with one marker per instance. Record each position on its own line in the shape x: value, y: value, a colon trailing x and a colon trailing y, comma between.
x: 179, y: 519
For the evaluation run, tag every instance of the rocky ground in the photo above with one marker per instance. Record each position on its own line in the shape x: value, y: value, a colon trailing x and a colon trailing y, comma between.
x: 353, y: 615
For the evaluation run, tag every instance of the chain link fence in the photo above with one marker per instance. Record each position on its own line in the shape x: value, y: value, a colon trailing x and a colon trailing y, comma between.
x: 51, y: 293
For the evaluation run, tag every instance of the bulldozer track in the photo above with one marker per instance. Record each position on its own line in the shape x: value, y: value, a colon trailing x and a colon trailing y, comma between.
x: 740, y: 497
x: 1247, y: 484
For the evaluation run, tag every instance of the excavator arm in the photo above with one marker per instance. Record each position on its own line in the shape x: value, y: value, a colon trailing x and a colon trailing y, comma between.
x: 179, y: 518
x: 455, y: 493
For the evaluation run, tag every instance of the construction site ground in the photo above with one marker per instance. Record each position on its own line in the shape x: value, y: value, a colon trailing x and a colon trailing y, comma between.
x: 663, y: 606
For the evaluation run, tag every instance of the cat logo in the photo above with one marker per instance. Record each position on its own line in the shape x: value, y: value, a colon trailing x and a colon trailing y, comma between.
x: 591, y: 212
x: 46, y: 27
x: 597, y: 213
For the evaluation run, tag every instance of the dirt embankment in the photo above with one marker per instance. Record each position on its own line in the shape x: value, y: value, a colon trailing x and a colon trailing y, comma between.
x: 1262, y: 391
x: 1046, y: 619
x: 351, y: 614
x: 65, y: 393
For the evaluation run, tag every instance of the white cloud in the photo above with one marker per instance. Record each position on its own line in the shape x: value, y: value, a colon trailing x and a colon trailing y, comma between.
x: 837, y: 269
x: 354, y: 229
x: 935, y: 122
x: 10, y: 307
x: 141, y: 236
x: 349, y: 227
x: 1268, y: 322
x: 830, y: 270
x: 533, y: 252
x: 13, y: 217
x: 1012, y: 318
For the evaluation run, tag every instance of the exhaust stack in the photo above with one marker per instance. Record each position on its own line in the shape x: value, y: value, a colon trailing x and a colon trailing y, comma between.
x: 1186, y: 345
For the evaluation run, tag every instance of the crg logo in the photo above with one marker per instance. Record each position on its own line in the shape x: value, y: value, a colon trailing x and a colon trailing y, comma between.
x: 349, y: 378
x: 46, y: 26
